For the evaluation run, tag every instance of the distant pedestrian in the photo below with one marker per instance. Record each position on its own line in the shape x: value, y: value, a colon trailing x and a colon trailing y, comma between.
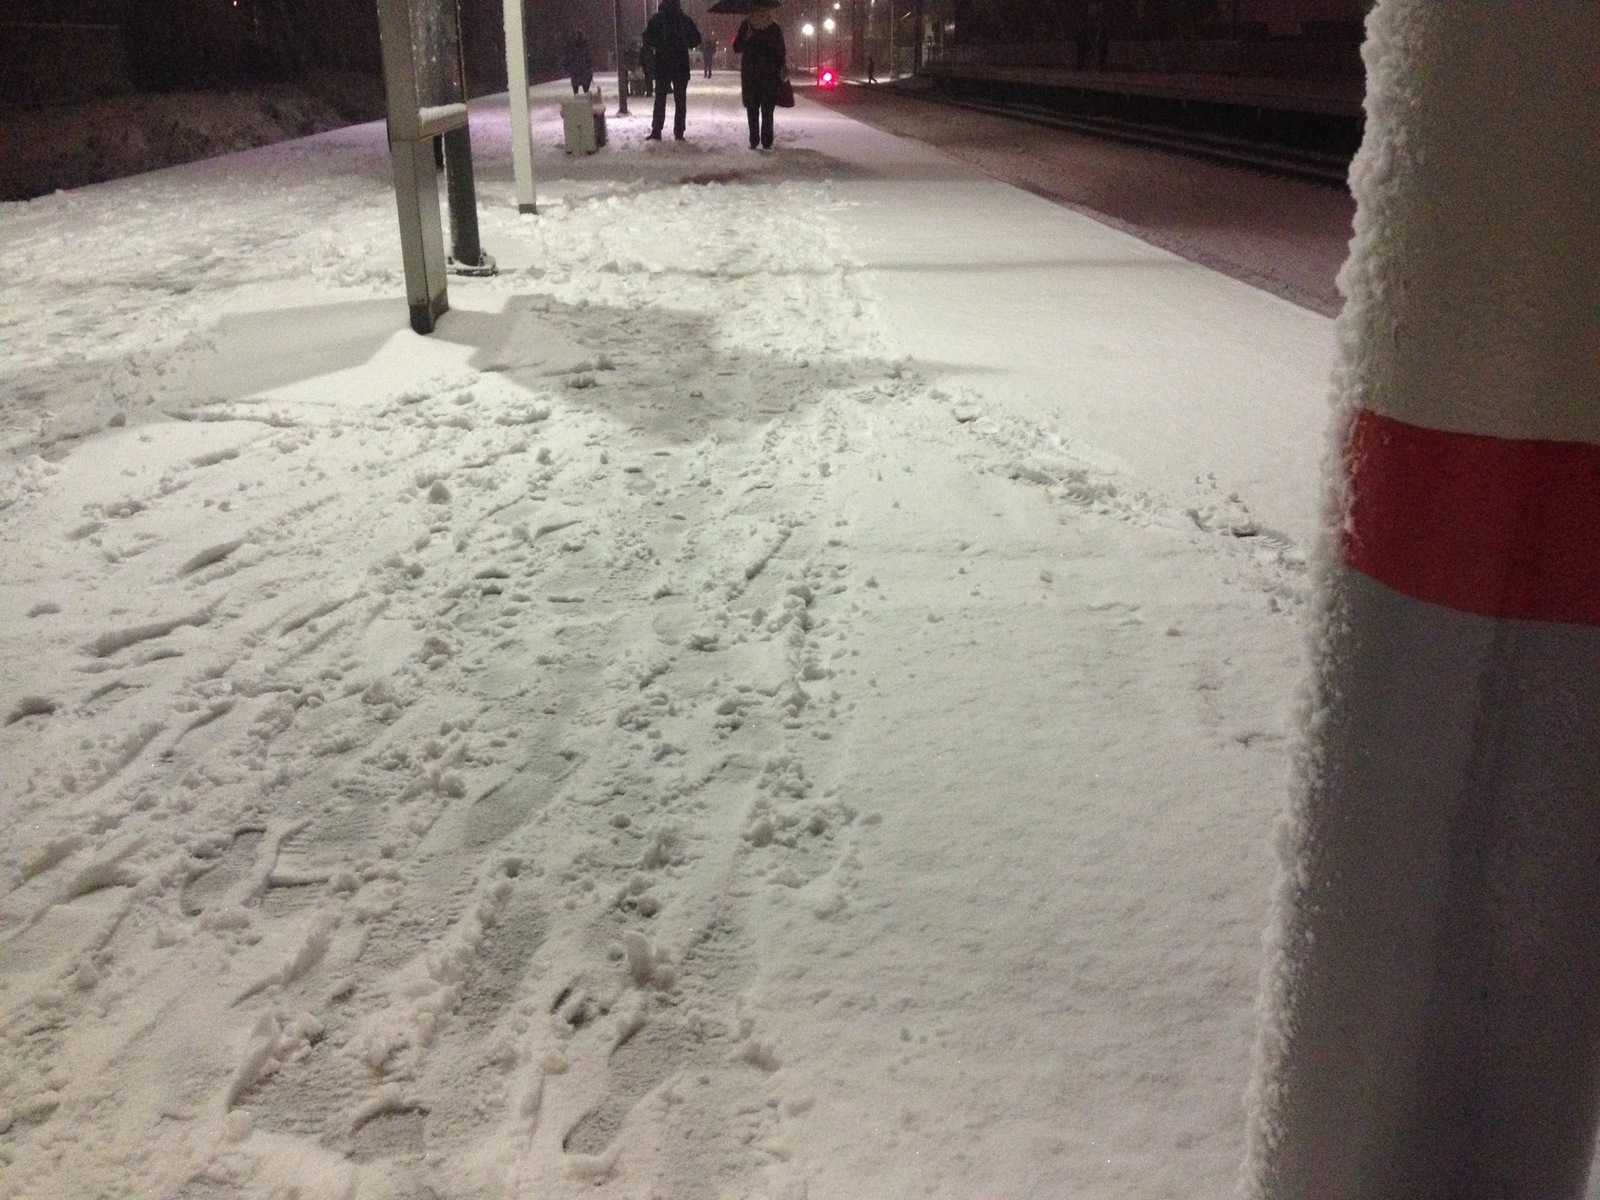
x: 763, y: 67
x: 578, y: 61
x: 632, y: 80
x: 872, y: 69
x: 668, y: 38
x: 708, y: 54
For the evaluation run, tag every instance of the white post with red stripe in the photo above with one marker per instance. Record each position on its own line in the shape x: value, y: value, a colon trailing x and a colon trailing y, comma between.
x: 517, y: 98
x: 1433, y: 983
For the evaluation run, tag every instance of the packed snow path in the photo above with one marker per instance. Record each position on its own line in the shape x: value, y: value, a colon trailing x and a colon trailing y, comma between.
x: 782, y: 696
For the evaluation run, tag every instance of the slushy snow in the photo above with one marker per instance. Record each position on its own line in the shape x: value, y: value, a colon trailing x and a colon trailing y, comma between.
x: 783, y: 695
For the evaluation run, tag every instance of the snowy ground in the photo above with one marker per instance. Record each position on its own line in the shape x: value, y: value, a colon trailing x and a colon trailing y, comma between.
x: 782, y: 696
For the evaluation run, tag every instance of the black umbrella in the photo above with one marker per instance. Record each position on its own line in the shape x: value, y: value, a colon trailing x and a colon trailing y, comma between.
x: 739, y: 8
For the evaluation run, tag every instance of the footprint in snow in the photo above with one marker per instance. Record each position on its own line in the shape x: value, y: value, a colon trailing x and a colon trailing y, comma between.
x: 31, y: 706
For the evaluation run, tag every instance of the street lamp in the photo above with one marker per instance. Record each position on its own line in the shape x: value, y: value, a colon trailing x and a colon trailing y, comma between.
x: 809, y: 32
x: 829, y: 25
x: 891, y: 41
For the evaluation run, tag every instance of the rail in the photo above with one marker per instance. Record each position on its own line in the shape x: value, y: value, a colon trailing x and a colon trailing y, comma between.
x: 1312, y: 165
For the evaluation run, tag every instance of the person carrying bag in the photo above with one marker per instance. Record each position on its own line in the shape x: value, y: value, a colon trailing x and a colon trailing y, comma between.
x: 763, y: 73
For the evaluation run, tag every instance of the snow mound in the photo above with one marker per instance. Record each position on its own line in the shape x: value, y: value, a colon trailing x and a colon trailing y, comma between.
x: 70, y: 146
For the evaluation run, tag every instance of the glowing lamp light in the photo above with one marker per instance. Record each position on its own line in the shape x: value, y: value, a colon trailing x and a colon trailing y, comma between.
x: 808, y: 29
x: 828, y: 25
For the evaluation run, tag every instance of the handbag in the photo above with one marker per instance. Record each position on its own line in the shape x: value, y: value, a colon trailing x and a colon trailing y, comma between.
x: 784, y: 97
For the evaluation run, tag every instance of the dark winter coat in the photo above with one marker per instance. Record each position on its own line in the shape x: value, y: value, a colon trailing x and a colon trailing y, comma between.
x: 577, y: 61
x: 763, y: 64
x: 670, y: 35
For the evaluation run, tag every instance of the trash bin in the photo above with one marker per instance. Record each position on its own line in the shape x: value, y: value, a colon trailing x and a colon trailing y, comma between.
x: 578, y: 124
x: 599, y: 101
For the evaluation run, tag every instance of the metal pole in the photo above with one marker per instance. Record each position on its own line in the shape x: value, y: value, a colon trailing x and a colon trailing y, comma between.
x: 416, y: 185
x: 891, y: 40
x: 460, y: 189
x: 652, y: 81
x: 858, y: 46
x: 622, y: 64
x: 463, y: 197
x: 1434, y: 1012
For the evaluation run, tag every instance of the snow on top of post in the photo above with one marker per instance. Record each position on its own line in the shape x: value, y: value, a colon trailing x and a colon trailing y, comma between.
x: 1449, y: 169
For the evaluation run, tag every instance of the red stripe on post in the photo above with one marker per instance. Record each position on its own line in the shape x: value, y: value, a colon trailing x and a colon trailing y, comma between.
x: 1501, y: 527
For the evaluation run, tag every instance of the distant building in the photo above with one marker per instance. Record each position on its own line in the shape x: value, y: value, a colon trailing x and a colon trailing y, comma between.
x: 63, y: 51
x: 1258, y: 37
x: 1062, y: 20
x: 56, y: 51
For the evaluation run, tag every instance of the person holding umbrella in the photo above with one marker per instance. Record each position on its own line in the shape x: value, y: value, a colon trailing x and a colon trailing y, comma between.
x: 763, y: 68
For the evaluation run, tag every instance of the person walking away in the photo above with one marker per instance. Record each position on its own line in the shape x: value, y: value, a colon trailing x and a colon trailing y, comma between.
x: 872, y: 69
x: 669, y: 36
x: 578, y: 61
x: 708, y: 55
x: 763, y: 66
x: 647, y: 68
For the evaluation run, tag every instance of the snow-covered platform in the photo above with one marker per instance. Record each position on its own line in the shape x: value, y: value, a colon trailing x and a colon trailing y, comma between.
x: 784, y: 695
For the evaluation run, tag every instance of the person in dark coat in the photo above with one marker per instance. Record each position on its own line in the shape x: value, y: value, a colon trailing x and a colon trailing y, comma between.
x: 669, y: 36
x: 577, y: 61
x: 763, y: 66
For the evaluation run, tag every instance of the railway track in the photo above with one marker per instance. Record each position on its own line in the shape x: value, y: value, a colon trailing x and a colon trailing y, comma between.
x: 1316, y: 166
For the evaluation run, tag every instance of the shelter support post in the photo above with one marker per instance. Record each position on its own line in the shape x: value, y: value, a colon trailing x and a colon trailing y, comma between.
x: 517, y: 95
x: 1433, y: 975
x: 424, y: 83
x: 462, y: 191
x: 416, y: 186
